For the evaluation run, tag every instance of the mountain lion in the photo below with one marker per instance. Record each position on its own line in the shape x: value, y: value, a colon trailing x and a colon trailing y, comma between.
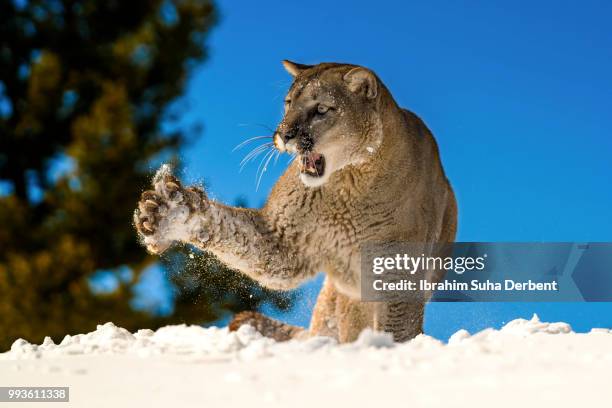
x: 366, y: 171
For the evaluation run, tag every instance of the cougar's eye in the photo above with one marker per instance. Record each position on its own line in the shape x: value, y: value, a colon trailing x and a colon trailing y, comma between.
x: 322, y: 109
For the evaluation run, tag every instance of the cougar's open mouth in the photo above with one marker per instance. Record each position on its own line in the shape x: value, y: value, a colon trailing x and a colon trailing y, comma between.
x: 313, y: 164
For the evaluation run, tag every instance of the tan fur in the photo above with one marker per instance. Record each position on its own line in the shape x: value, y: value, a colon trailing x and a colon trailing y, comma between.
x: 383, y: 182
x: 268, y: 327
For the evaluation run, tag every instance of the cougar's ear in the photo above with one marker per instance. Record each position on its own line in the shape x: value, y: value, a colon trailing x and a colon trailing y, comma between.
x: 294, y: 68
x: 358, y: 79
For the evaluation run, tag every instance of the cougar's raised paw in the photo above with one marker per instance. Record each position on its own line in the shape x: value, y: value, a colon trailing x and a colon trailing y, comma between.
x: 163, y: 213
x: 147, y: 215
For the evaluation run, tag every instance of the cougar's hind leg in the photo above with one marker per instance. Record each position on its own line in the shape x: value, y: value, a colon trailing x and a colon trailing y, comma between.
x: 334, y: 315
x: 404, y: 319
x: 267, y: 326
x: 324, y: 321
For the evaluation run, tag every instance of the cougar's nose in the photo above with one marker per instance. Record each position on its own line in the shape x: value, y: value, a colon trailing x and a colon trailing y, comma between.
x: 282, y: 138
x: 287, y: 136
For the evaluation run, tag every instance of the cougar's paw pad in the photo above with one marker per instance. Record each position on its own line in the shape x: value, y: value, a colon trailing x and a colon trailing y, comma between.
x: 149, y: 211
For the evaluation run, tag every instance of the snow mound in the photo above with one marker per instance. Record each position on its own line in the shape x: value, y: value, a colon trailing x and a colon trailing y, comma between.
x: 526, y: 362
x: 178, y: 340
x: 246, y: 342
x: 525, y: 327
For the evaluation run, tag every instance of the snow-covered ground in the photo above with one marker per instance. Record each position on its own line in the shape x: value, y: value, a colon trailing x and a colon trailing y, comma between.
x: 526, y: 363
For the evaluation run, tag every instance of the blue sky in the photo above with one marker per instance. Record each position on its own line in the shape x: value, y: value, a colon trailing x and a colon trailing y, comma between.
x: 518, y: 95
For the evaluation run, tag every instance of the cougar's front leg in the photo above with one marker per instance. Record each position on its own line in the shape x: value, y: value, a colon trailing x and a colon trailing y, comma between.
x: 241, y: 238
x: 324, y: 321
x: 338, y: 316
x: 246, y: 240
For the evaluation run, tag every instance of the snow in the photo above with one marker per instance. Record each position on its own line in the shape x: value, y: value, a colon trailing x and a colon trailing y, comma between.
x: 527, y: 362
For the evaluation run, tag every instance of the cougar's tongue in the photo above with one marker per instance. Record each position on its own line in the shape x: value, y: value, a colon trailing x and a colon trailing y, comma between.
x: 313, y: 164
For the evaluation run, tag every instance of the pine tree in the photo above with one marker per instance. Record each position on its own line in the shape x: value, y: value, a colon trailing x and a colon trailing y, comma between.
x: 84, y: 89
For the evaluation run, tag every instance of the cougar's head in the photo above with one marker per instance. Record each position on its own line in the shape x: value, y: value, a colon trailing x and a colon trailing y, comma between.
x: 329, y: 120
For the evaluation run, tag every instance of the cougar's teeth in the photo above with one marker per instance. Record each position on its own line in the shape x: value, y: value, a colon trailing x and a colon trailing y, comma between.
x: 313, y: 164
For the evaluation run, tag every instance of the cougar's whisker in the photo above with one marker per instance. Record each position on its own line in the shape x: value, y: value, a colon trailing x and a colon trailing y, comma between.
x: 252, y: 155
x: 261, y: 162
x: 261, y: 125
x: 265, y: 167
x: 255, y: 152
x: 249, y: 140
